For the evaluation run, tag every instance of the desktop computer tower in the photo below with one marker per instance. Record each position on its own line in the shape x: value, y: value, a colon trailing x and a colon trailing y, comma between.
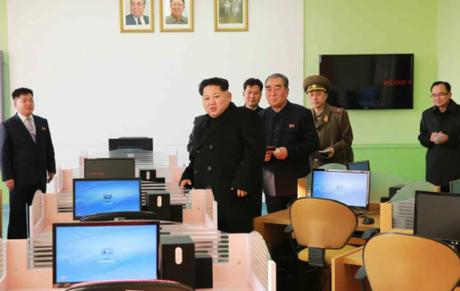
x: 159, y: 203
x: 203, y: 271
x: 176, y: 212
x: 148, y: 175
x: 177, y: 259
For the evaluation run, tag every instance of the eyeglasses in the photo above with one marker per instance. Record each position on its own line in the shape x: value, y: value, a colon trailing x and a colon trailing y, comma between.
x: 439, y: 94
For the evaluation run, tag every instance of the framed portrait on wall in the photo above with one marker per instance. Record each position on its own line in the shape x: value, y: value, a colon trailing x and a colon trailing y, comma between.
x: 176, y: 15
x: 231, y: 15
x: 136, y: 15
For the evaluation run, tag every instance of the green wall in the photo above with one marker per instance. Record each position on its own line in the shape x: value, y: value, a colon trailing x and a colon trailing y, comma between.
x: 386, y: 137
x: 449, y: 44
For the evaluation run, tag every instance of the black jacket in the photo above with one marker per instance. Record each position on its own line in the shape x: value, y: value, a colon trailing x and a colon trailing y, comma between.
x: 293, y: 128
x: 442, y: 161
x: 23, y: 159
x: 226, y: 153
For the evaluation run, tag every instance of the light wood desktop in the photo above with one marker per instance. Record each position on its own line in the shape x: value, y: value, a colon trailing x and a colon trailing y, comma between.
x: 271, y: 226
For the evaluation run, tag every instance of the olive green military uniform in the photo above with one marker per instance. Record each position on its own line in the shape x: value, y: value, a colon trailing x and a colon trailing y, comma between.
x: 332, y: 126
x: 334, y: 130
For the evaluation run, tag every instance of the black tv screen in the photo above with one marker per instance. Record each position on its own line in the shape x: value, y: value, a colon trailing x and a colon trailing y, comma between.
x: 383, y: 81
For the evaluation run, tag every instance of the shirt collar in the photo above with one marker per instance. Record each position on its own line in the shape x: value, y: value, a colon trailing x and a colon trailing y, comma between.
x: 451, y: 107
x: 23, y: 118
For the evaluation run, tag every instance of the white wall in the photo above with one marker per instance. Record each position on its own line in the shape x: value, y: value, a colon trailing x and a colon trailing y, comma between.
x: 93, y: 82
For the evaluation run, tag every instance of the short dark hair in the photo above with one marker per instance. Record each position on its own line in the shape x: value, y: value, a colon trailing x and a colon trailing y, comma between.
x: 253, y: 82
x: 446, y: 84
x: 170, y: 1
x: 216, y: 81
x: 21, y: 91
x: 281, y: 76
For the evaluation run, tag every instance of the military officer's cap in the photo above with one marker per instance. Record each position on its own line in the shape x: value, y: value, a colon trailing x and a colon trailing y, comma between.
x: 316, y: 82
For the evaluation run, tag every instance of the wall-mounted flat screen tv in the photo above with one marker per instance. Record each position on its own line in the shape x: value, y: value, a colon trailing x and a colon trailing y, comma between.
x: 380, y: 81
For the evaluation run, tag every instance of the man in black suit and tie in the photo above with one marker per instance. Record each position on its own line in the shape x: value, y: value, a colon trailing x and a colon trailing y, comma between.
x: 226, y: 155
x: 27, y: 159
x: 137, y: 16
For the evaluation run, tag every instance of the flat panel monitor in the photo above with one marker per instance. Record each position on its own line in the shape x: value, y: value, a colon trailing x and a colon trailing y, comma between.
x: 96, y: 251
x: 110, y: 168
x: 437, y: 215
x: 92, y: 196
x: 374, y: 81
x: 348, y: 187
x: 136, y: 143
x: 359, y: 166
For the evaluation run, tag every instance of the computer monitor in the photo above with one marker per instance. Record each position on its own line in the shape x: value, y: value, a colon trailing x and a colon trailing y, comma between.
x: 437, y: 215
x: 93, y: 251
x: 110, y: 168
x: 359, y: 166
x: 348, y: 187
x: 134, y: 143
x: 105, y: 195
x: 454, y: 186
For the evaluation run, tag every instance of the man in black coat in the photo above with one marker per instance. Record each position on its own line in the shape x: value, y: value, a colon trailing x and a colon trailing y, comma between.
x: 226, y: 155
x: 291, y: 138
x: 440, y: 133
x: 27, y: 159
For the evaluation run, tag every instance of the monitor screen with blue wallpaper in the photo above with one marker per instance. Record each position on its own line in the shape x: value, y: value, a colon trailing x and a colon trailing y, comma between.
x: 102, y: 196
x: 104, y: 251
x: 348, y: 187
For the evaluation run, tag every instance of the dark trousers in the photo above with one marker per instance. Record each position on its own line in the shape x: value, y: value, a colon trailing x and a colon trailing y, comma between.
x: 20, y: 199
x: 278, y: 203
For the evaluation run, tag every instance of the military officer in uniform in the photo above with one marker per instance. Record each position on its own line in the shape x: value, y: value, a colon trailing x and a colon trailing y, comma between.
x: 226, y: 155
x: 332, y: 125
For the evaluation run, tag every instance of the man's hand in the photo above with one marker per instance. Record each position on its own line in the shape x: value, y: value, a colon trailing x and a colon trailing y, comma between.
x: 442, y: 138
x: 185, y: 182
x: 10, y: 184
x: 330, y: 152
x: 439, y: 137
x: 50, y: 176
x: 434, y: 137
x: 281, y: 153
x: 241, y: 193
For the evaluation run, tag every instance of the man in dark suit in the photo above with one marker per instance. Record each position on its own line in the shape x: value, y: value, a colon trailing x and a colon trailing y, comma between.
x: 27, y: 159
x: 440, y: 134
x: 252, y: 93
x: 137, y: 16
x: 226, y: 155
x: 291, y: 137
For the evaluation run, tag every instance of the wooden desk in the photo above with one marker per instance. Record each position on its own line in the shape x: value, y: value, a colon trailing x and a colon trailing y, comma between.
x: 271, y: 226
x: 343, y: 270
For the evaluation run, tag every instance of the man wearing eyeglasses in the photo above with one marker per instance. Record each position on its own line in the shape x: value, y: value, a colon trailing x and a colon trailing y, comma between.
x: 440, y: 134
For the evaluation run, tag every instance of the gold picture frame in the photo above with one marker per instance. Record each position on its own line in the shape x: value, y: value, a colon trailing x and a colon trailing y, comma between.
x: 136, y: 15
x: 231, y: 15
x: 176, y: 15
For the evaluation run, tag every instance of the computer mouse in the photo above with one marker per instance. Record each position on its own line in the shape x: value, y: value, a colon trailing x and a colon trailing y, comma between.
x: 368, y: 220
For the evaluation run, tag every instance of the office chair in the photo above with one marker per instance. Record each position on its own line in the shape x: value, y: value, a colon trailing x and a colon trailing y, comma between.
x: 324, y: 227
x: 122, y: 215
x: 408, y: 262
x: 148, y: 285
